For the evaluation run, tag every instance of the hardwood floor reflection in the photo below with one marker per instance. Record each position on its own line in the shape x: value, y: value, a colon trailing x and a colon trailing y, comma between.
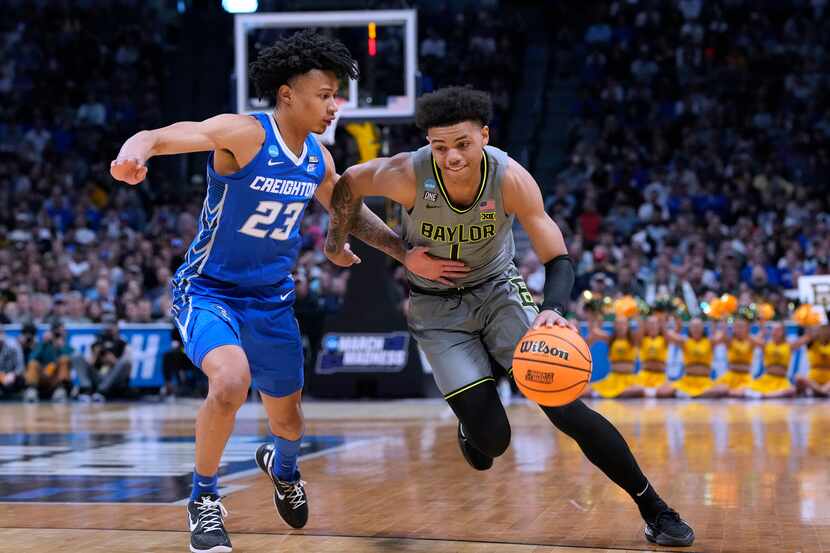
x: 387, y: 476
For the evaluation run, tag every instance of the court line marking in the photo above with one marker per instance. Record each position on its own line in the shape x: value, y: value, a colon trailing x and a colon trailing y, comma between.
x: 578, y: 506
x: 254, y: 471
x: 230, y: 478
x: 368, y: 538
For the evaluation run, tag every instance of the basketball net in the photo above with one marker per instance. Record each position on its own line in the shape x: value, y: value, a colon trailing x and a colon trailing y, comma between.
x: 327, y: 136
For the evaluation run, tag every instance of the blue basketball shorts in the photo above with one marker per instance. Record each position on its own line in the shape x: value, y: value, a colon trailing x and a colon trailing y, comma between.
x: 259, y: 319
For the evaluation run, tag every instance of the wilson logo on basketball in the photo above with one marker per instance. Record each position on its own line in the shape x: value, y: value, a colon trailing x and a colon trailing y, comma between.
x: 539, y: 377
x: 539, y: 346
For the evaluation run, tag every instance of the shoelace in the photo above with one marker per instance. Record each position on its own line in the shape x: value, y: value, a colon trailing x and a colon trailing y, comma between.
x: 211, y: 513
x: 293, y: 492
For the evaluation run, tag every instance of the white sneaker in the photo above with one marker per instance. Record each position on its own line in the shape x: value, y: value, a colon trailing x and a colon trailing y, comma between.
x: 98, y: 398
x: 59, y: 395
x: 30, y: 395
x: 85, y: 398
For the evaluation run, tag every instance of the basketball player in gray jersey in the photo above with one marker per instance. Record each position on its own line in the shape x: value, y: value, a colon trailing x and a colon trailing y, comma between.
x: 460, y: 197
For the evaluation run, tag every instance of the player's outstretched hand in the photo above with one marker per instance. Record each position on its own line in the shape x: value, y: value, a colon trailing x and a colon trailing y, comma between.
x: 346, y: 258
x: 440, y: 270
x: 549, y: 318
x: 131, y: 171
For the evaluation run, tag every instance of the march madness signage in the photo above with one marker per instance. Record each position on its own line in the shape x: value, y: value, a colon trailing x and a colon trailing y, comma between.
x: 363, y: 352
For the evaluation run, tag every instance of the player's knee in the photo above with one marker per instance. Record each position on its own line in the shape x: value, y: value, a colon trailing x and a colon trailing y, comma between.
x: 288, y: 425
x: 229, y: 391
x: 483, y: 418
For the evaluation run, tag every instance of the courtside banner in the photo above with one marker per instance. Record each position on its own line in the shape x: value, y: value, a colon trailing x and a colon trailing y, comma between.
x: 148, y: 344
x: 374, y: 352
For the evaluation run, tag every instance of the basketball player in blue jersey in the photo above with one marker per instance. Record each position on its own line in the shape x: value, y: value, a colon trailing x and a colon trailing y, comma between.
x: 460, y: 197
x: 233, y: 296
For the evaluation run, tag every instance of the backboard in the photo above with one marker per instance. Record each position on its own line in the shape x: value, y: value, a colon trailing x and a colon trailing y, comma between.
x: 383, y: 42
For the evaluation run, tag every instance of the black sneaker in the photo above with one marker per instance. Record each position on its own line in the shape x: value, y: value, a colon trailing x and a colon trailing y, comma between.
x: 472, y: 455
x: 205, y: 517
x: 669, y: 529
x: 290, y: 498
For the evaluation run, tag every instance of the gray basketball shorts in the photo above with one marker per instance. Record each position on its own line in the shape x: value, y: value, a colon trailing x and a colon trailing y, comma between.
x: 456, y: 333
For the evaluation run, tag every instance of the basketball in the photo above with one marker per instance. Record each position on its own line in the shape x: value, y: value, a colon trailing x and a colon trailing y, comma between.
x: 552, y: 366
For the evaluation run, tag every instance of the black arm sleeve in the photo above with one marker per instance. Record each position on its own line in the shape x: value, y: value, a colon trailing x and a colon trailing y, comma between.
x: 559, y: 280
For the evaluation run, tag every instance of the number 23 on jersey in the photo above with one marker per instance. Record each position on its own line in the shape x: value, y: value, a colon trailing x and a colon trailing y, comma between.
x: 262, y: 222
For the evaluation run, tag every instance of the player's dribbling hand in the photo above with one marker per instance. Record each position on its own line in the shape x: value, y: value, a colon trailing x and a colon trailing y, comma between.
x: 549, y: 318
x: 419, y: 262
x: 132, y: 171
x: 344, y: 258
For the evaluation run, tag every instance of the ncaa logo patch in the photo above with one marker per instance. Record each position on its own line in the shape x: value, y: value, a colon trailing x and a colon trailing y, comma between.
x: 313, y: 159
x: 429, y: 184
x: 273, y: 151
x: 331, y: 343
x: 431, y: 196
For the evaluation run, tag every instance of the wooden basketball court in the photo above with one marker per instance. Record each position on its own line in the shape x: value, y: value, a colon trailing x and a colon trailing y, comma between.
x: 387, y: 477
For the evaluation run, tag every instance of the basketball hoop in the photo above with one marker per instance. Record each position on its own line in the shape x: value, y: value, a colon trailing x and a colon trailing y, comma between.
x: 327, y: 136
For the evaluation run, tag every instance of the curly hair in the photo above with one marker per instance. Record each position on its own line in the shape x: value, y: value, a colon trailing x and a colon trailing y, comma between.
x: 451, y: 105
x: 296, y: 55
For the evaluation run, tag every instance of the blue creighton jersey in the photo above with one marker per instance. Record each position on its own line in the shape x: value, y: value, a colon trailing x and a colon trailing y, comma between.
x: 249, y: 230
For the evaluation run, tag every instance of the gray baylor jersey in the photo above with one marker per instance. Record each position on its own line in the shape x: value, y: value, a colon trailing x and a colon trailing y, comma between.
x: 480, y: 235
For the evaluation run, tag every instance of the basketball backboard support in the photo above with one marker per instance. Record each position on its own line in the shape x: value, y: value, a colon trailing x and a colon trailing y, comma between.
x: 384, y: 42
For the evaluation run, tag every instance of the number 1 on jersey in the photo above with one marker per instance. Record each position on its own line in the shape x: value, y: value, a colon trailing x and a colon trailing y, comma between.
x: 455, y: 252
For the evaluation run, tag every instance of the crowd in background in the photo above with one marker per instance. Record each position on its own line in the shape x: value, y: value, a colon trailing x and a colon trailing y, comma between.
x: 75, y: 246
x: 698, y: 155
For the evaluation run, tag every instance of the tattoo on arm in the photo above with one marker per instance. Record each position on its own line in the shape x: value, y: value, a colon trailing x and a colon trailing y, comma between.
x: 371, y: 229
x: 344, y: 209
x: 350, y: 215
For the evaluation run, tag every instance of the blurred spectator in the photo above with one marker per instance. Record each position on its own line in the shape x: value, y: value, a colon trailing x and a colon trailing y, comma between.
x: 26, y: 341
x: 12, y: 369
x: 105, y: 372
x: 47, y: 373
x: 433, y: 45
x: 92, y: 112
x: 629, y: 284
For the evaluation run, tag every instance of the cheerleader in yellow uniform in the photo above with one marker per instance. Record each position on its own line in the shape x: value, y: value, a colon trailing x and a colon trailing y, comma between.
x: 622, y: 354
x: 740, y: 349
x: 818, y: 357
x: 651, y: 381
x: 697, y: 362
x: 777, y: 355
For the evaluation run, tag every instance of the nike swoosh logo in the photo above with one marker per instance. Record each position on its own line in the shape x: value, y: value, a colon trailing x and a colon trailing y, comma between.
x: 192, y: 524
x: 271, y: 164
x: 283, y: 296
x: 203, y: 485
